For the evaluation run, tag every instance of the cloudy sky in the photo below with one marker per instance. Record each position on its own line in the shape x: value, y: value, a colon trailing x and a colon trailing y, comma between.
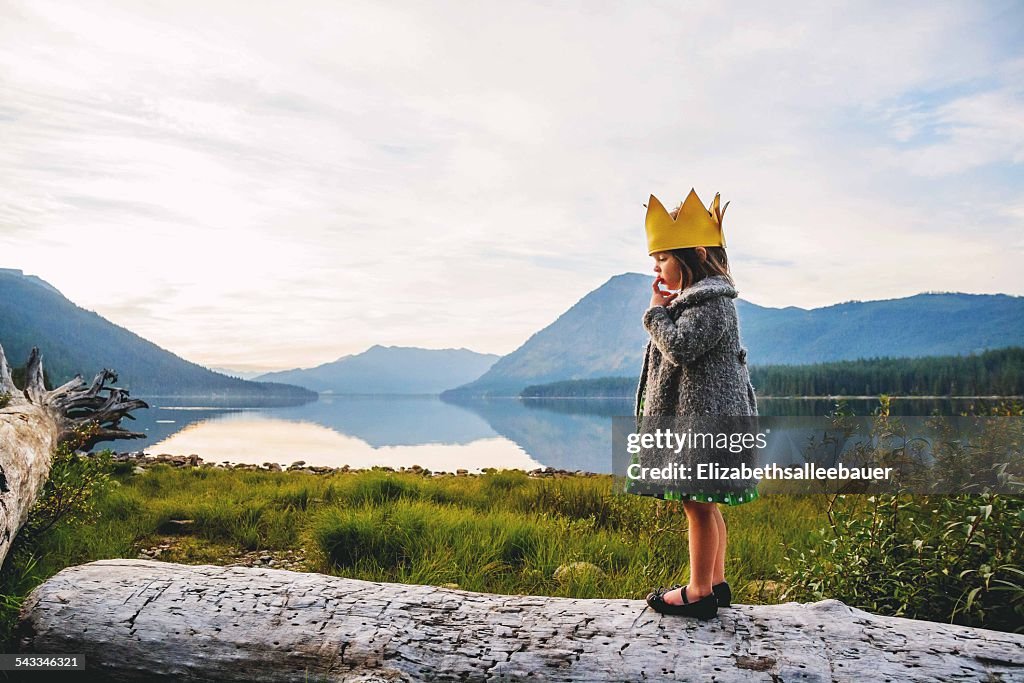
x: 265, y: 185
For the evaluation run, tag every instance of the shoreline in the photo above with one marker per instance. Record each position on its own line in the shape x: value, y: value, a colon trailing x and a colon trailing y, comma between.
x: 142, y: 460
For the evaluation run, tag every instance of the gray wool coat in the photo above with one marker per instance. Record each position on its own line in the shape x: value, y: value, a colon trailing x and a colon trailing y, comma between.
x: 694, y: 365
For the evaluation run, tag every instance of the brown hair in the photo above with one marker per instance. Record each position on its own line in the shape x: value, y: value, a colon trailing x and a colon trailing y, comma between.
x: 693, y: 269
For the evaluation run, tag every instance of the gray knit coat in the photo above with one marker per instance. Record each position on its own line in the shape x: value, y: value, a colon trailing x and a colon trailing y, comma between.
x: 695, y: 364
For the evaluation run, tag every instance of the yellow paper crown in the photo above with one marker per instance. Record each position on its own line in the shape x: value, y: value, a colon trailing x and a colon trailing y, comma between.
x: 693, y: 226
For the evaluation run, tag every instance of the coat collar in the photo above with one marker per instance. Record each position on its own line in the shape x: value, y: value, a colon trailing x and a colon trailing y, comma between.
x: 711, y: 286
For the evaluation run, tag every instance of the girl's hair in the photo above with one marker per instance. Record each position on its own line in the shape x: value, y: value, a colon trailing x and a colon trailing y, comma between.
x: 695, y: 270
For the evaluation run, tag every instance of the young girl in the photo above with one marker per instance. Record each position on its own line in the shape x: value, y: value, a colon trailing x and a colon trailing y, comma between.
x: 694, y: 364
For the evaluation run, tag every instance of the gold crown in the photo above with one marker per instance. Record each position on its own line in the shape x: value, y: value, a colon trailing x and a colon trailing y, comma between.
x: 693, y: 226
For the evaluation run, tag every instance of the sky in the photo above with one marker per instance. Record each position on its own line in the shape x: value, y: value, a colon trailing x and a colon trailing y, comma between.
x: 262, y: 186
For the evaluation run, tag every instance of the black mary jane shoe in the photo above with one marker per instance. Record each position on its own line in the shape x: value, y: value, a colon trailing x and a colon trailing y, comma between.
x: 721, y: 590
x: 705, y: 608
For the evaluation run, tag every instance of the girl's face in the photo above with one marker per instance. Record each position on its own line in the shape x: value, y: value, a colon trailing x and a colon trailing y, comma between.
x: 667, y: 268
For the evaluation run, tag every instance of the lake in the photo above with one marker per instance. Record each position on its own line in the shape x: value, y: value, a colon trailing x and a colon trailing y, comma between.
x: 439, y: 435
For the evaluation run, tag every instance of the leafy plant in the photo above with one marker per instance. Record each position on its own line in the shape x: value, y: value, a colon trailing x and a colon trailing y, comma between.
x: 954, y: 558
x: 66, y: 500
x: 958, y: 559
x: 69, y: 493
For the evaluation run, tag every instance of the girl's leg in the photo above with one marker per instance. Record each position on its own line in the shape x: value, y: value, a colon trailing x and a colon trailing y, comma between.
x: 719, y: 574
x: 703, y: 538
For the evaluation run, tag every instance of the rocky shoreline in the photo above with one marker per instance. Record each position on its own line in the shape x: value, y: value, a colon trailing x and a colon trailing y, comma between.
x: 142, y: 460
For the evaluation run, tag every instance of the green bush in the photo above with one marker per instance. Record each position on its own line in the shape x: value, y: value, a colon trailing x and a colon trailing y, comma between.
x: 70, y: 492
x: 957, y: 559
x: 954, y: 558
x: 67, y: 501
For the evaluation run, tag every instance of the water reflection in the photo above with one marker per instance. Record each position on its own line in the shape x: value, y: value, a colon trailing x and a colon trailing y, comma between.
x: 572, y: 434
x: 261, y: 439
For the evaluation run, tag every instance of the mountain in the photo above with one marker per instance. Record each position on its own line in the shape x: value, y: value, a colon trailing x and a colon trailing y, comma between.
x: 602, y: 334
x: 926, y: 324
x: 241, y: 374
x: 390, y: 370
x: 76, y: 341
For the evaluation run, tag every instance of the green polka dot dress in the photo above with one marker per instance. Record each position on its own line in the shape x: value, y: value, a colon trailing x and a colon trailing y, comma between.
x: 668, y: 493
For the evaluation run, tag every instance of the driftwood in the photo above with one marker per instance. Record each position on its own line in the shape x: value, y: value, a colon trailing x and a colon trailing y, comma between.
x: 35, y: 421
x: 142, y: 620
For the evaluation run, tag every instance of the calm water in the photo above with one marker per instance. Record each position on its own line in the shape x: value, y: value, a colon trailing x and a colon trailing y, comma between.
x: 361, y: 431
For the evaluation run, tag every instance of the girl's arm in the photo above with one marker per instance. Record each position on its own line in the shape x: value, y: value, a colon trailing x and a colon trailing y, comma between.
x: 698, y: 330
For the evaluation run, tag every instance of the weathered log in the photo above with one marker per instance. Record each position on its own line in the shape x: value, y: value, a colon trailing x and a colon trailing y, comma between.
x: 142, y: 620
x: 35, y: 421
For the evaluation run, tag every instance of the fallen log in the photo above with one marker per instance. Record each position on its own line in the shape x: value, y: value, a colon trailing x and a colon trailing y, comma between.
x: 35, y: 421
x: 143, y: 620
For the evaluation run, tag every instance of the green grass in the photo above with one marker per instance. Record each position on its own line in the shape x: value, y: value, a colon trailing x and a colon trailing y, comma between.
x: 502, y: 532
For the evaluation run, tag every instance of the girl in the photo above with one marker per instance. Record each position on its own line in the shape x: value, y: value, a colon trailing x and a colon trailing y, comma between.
x: 694, y: 364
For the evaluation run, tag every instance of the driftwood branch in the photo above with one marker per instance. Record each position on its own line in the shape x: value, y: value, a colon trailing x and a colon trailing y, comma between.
x: 35, y: 421
x: 80, y: 408
x: 142, y: 620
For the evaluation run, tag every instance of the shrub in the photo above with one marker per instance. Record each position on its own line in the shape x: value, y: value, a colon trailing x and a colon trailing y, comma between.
x: 69, y: 493
x: 67, y: 500
x: 958, y: 559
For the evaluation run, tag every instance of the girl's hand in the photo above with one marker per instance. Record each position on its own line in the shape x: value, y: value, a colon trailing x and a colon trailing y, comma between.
x: 660, y: 297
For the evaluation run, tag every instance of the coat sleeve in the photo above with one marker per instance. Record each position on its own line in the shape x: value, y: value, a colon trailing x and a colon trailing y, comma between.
x: 698, y: 329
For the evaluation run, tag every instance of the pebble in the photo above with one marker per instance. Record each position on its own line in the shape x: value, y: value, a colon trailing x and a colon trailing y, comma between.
x: 293, y: 560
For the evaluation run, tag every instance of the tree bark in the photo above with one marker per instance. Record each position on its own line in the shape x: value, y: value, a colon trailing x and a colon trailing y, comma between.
x: 143, y: 620
x: 35, y: 421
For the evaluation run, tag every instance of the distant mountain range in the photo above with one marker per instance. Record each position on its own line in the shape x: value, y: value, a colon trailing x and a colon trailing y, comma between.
x: 241, y: 374
x: 390, y: 370
x: 927, y: 324
x: 602, y: 334
x: 74, y: 341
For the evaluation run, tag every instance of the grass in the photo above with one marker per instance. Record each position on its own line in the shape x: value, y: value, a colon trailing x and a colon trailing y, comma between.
x: 502, y: 532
